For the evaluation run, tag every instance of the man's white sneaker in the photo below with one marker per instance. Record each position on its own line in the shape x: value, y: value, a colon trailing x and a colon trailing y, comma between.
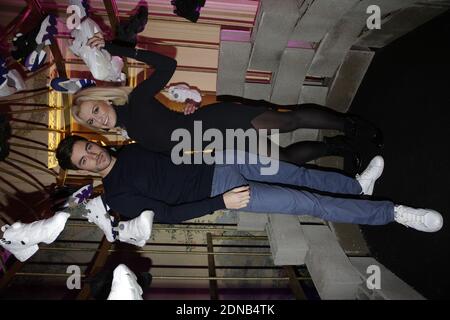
x: 124, y: 285
x: 368, y: 177
x: 425, y: 220
x: 22, y: 239
x: 138, y: 230
x: 98, y: 214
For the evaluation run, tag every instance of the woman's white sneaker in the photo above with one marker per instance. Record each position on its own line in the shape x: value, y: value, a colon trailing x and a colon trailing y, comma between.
x: 369, y: 176
x: 425, y: 220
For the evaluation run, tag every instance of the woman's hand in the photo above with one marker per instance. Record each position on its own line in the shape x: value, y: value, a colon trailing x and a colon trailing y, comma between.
x: 97, y: 41
x: 237, y: 198
x: 190, y: 106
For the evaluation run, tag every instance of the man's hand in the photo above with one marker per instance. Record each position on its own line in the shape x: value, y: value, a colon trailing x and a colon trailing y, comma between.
x: 237, y: 198
x: 190, y: 106
x: 97, y: 41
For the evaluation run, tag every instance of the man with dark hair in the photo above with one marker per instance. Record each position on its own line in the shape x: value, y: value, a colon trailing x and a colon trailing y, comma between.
x: 64, y: 152
x: 139, y: 179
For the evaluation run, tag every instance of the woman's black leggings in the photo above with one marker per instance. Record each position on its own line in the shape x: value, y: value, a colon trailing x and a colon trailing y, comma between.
x: 308, y: 116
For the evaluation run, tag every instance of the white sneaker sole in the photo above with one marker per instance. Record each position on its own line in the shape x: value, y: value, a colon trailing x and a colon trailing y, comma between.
x: 146, y: 218
x: 148, y: 215
x: 377, y: 162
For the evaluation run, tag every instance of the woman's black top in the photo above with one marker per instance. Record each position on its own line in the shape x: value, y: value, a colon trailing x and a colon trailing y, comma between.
x: 150, y: 123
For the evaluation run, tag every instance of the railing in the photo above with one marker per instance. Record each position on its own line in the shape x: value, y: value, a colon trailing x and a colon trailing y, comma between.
x: 213, y: 233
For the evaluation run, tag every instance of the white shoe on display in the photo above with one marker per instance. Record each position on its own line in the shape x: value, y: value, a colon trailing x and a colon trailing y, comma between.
x: 15, y: 76
x: 13, y: 82
x: 79, y: 196
x: 83, y: 5
x: 181, y: 92
x: 99, y: 61
x: 124, y: 285
x: 98, y: 214
x: 138, y: 230
x: 22, y: 239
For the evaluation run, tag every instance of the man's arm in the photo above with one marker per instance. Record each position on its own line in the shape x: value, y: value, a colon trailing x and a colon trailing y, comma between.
x: 132, y: 205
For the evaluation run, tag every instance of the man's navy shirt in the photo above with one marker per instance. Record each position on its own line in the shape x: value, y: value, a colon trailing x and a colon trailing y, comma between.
x: 145, y: 180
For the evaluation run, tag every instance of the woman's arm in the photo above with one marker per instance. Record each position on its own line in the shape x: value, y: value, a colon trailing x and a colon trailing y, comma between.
x: 164, y: 67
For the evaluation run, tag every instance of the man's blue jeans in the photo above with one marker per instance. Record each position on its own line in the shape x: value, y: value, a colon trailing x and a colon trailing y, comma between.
x: 267, y: 197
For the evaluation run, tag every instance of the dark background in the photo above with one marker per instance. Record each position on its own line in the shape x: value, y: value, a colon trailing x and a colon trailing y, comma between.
x: 406, y: 92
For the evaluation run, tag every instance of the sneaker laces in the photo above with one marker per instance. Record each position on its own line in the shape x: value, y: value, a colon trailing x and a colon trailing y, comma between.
x: 407, y: 217
x: 363, y: 175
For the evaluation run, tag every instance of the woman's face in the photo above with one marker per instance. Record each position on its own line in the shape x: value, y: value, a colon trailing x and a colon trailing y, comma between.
x: 98, y: 114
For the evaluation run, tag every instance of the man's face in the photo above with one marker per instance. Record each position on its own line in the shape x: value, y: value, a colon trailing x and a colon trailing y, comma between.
x: 90, y: 156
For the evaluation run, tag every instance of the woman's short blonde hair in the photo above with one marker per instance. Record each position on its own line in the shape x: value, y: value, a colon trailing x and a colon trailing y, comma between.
x: 117, y: 95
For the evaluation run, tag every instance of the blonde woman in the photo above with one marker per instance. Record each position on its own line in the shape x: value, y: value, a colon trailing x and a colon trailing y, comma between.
x: 150, y: 123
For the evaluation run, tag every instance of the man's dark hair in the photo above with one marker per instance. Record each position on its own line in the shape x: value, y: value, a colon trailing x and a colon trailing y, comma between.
x: 64, y: 151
